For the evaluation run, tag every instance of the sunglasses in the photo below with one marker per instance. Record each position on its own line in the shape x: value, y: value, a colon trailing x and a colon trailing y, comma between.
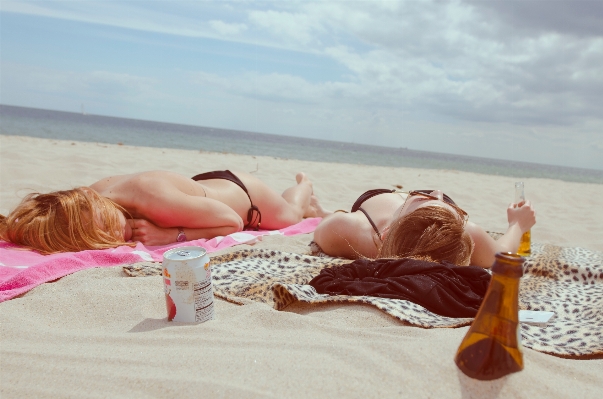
x: 446, y: 199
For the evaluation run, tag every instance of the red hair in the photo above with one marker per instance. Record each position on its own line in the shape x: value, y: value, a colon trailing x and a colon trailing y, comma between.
x: 431, y: 233
x: 64, y: 221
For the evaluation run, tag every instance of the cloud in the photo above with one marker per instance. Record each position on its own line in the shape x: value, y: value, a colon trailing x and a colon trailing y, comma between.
x: 447, y: 60
x: 573, y: 17
x: 523, y: 62
x: 530, y: 66
x: 227, y: 29
x: 298, y: 28
x: 171, y: 18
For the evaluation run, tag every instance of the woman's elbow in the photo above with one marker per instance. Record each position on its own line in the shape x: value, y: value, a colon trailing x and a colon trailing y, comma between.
x: 319, y: 235
x: 234, y: 224
x: 230, y: 229
x: 238, y: 225
x: 328, y: 240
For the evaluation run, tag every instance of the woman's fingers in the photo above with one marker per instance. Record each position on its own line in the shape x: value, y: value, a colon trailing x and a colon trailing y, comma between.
x: 141, y: 229
x: 132, y: 223
x: 521, y: 204
x: 523, y: 214
x: 149, y: 234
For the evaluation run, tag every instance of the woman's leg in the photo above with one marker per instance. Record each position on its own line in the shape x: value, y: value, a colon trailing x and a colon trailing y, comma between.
x: 299, y: 196
x: 278, y: 211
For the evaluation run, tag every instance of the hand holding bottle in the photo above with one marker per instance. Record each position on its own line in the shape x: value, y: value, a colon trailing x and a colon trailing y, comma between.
x: 523, y: 214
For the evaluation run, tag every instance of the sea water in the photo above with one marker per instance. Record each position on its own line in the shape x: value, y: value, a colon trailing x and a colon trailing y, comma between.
x: 103, y: 129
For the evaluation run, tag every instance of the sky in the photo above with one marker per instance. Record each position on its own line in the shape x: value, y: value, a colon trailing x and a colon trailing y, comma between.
x: 516, y: 80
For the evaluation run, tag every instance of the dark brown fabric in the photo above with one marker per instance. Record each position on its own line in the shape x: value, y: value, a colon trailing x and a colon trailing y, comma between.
x: 443, y: 288
x: 253, y: 214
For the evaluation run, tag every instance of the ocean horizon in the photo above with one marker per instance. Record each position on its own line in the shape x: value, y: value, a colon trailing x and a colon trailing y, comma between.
x: 50, y: 124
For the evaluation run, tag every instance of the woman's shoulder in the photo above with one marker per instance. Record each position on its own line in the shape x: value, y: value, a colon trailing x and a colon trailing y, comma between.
x: 147, y: 181
x: 343, y: 220
x: 474, y: 230
x: 346, y: 235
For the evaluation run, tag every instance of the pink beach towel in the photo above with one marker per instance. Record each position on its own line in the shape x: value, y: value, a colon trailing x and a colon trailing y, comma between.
x: 22, y: 270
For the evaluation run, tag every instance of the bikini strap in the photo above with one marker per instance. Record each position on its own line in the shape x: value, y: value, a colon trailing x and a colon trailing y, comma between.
x: 371, y: 222
x: 228, y: 175
x: 369, y: 194
x: 223, y: 175
x: 251, y: 218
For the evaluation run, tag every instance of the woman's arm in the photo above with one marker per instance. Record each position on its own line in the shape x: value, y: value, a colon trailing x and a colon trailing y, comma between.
x: 342, y: 234
x: 201, y: 217
x: 150, y: 234
x: 521, y: 219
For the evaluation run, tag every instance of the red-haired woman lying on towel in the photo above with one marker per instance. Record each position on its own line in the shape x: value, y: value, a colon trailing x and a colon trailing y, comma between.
x: 424, y: 224
x: 155, y: 208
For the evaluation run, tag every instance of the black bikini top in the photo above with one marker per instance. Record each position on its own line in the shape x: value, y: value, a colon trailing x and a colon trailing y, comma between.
x: 369, y: 194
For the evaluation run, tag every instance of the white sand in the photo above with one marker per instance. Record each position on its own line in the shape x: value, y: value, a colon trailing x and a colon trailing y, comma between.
x: 97, y: 333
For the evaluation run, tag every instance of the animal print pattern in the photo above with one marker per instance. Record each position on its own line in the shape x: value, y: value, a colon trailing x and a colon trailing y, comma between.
x: 567, y: 281
x: 252, y: 273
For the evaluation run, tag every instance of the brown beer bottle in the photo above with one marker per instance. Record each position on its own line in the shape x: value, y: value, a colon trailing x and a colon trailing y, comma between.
x: 492, y: 346
x: 525, y: 245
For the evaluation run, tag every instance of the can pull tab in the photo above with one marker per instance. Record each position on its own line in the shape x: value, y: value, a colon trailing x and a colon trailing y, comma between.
x: 182, y: 253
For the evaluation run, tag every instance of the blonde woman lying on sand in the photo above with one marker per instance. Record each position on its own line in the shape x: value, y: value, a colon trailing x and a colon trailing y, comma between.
x: 154, y: 208
x: 423, y: 223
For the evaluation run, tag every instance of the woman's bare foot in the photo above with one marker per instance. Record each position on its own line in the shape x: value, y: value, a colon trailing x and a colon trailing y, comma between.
x: 302, y: 178
x: 315, y: 209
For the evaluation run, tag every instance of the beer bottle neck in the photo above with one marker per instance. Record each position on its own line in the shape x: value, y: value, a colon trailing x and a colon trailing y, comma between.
x: 502, y: 297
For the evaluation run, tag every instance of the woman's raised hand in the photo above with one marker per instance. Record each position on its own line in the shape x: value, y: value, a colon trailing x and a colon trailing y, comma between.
x: 523, y: 214
x: 150, y: 234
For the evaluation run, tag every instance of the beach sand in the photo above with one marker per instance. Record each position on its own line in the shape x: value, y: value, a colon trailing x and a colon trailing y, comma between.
x: 98, y: 333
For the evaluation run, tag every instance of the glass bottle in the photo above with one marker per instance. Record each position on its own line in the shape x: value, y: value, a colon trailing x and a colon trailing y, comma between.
x: 492, y: 346
x: 526, y: 239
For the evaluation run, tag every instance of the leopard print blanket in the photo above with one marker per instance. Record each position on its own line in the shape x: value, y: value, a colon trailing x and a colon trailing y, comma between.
x: 567, y: 281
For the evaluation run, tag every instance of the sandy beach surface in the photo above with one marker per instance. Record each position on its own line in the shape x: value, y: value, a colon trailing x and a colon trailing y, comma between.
x: 98, y: 333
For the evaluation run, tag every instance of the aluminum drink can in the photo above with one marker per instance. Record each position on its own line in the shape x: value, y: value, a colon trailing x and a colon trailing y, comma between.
x: 189, y: 295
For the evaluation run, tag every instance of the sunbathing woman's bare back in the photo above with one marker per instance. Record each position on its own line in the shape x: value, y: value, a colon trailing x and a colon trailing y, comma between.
x: 206, y: 208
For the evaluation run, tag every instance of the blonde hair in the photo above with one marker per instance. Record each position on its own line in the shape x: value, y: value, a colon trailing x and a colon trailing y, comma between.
x: 431, y: 233
x: 64, y: 221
